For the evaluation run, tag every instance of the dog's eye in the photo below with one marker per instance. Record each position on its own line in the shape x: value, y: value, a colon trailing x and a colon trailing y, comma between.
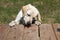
x: 28, y: 14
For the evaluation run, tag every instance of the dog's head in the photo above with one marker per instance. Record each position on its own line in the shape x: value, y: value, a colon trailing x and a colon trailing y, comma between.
x: 27, y: 14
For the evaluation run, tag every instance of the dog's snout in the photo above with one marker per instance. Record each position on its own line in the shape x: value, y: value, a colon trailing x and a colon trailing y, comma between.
x: 28, y: 24
x: 25, y: 21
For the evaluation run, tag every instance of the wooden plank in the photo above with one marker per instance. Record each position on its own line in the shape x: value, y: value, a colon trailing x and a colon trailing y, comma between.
x: 46, y: 32
x: 13, y: 33
x: 3, y: 31
x: 31, y: 33
x: 18, y: 32
x: 56, y: 28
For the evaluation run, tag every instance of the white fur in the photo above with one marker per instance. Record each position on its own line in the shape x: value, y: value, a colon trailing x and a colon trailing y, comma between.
x: 31, y: 10
x: 26, y: 18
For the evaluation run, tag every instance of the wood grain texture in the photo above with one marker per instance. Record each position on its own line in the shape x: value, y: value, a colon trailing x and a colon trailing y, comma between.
x: 18, y: 32
x: 31, y: 33
x: 12, y: 33
x: 57, y: 31
x: 46, y: 32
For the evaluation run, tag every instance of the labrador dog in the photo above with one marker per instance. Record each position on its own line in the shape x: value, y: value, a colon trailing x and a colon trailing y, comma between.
x: 28, y: 15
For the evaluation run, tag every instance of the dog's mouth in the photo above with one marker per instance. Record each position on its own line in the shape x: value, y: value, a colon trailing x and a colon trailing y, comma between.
x: 27, y: 24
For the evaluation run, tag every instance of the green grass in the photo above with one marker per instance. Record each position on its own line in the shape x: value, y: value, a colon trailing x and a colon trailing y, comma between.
x: 49, y: 9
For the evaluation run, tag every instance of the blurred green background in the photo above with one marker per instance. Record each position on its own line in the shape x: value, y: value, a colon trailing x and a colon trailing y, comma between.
x: 49, y: 10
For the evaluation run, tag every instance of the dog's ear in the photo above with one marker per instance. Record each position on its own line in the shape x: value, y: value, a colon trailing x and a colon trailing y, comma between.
x: 24, y: 10
x: 39, y: 17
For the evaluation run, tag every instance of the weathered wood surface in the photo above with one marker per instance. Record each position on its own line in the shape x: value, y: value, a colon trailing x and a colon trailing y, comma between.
x: 56, y: 28
x: 46, y: 32
x: 19, y: 32
x: 31, y: 33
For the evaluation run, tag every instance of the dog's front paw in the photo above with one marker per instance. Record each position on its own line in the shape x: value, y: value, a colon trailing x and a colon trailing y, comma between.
x: 12, y: 23
x: 37, y: 23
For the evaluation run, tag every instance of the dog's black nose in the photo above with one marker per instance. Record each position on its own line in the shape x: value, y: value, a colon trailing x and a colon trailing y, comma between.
x: 28, y: 24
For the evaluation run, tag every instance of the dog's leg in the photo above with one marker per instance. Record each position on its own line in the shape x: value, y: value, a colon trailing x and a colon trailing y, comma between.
x: 16, y: 21
x: 19, y: 16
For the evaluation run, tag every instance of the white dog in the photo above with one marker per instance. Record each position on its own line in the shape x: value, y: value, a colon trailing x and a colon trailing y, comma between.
x: 29, y: 13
